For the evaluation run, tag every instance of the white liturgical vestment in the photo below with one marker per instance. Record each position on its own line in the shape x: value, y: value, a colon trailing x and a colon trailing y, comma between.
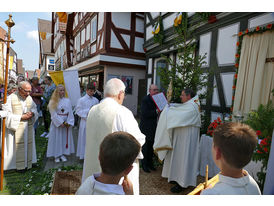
x: 15, y: 125
x: 60, y: 138
x: 83, y: 106
x: 177, y: 141
x: 103, y: 119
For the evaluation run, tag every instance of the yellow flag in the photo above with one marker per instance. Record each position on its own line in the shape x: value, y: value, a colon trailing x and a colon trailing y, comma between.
x: 11, y: 62
x: 63, y: 17
x: 43, y: 35
x: 58, y: 78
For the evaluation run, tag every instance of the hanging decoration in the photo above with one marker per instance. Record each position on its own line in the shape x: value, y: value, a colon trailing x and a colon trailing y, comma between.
x: 158, y: 31
x: 238, y: 54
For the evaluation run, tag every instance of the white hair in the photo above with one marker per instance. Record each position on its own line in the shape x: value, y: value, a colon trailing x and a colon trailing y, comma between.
x: 20, y: 84
x: 113, y: 87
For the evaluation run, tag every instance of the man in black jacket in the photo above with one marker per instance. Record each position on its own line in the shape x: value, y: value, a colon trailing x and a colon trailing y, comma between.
x: 148, y: 126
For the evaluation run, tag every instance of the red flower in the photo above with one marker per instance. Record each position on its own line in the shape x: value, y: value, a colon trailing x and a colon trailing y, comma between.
x: 263, y: 142
x: 259, y: 152
x: 219, y: 120
x: 236, y: 65
x: 237, y: 55
x: 258, y: 132
x: 233, y: 97
x: 246, y: 31
x: 233, y: 87
x: 231, y: 109
x: 235, y: 76
x: 257, y: 28
x: 266, y: 150
x: 269, y: 26
x: 238, y: 43
x: 240, y: 34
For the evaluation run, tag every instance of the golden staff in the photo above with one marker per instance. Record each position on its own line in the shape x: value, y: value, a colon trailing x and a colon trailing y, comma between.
x: 10, y: 23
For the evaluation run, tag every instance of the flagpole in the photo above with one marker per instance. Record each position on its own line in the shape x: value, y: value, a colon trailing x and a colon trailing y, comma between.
x: 10, y: 24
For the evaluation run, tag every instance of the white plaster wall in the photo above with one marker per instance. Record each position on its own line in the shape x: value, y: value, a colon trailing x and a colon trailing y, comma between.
x: 100, y: 20
x: 154, y: 14
x: 226, y: 47
x: 102, y: 41
x: 114, y: 42
x: 227, y: 81
x: 131, y: 100
x: 138, y: 47
x: 149, y: 34
x: 93, y: 49
x: 261, y: 20
x: 121, y: 19
x: 149, y: 66
x: 127, y: 39
x: 169, y: 21
x: 205, y: 42
x: 215, y: 100
x: 139, y: 25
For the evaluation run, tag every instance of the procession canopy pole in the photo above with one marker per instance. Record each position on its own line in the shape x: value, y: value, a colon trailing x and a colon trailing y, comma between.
x: 10, y: 24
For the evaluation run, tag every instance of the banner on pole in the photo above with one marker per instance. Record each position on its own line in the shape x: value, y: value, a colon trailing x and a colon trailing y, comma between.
x: 70, y: 80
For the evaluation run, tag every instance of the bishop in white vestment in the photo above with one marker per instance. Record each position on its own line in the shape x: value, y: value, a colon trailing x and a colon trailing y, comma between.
x: 107, y: 117
x: 83, y: 106
x: 177, y: 142
x: 19, y: 148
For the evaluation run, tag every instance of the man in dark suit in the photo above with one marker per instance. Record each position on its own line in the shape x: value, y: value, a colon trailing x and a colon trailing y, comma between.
x: 148, y: 126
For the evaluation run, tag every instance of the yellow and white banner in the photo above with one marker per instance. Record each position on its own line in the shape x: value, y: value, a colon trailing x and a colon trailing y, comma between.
x: 11, y: 63
x: 71, y: 81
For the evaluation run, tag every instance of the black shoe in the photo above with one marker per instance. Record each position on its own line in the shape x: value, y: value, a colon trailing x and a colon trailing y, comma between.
x: 176, y: 189
x: 152, y: 168
x: 173, y: 182
x: 145, y: 169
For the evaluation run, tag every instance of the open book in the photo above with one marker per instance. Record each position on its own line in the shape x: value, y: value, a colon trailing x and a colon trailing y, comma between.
x: 160, y: 101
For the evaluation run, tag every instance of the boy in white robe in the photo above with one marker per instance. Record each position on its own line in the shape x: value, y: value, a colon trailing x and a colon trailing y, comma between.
x: 83, y: 106
x: 232, y: 149
x: 117, y: 153
x: 60, y: 141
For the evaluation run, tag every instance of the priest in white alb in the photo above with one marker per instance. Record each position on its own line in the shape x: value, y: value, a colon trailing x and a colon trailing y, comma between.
x: 177, y: 141
x: 19, y: 148
x: 107, y: 117
x: 83, y: 106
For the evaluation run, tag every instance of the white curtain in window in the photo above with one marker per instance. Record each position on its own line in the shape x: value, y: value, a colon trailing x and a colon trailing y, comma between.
x: 255, y: 77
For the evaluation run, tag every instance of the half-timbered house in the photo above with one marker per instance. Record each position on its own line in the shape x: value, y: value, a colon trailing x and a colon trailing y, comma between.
x: 103, y: 45
x: 217, y: 38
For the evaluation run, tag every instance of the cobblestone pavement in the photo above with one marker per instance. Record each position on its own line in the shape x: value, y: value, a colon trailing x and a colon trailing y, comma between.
x: 154, y: 184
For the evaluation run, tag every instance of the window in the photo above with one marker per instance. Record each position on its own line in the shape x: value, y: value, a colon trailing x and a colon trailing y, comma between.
x: 94, y: 29
x: 83, y: 38
x: 76, y: 20
x: 88, y: 32
x: 77, y: 43
x: 161, y: 64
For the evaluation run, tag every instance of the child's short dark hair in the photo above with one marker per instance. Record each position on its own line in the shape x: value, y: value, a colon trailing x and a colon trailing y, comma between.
x: 91, y: 87
x: 118, y: 151
x: 237, y: 142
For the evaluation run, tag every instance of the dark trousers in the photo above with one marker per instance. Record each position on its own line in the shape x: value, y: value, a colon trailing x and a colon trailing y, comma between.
x: 46, y: 117
x: 147, y: 150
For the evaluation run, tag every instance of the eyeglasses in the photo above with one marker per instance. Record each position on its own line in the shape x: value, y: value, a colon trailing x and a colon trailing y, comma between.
x: 27, y: 91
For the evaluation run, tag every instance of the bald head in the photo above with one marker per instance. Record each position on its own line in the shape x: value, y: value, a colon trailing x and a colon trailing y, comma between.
x: 153, y: 89
x: 24, y: 89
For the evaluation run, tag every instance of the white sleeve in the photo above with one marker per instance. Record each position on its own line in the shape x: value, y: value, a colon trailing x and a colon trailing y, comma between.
x: 34, y: 110
x: 12, y: 121
x: 70, y: 119
x: 125, y: 121
x: 79, y: 109
x: 56, y: 119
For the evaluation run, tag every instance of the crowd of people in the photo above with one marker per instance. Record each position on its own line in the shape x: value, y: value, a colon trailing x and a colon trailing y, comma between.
x: 111, y: 142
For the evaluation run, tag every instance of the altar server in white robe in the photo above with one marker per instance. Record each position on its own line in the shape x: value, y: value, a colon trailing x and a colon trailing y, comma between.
x: 83, y: 106
x: 19, y: 148
x: 177, y: 141
x: 107, y: 117
x: 60, y: 141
